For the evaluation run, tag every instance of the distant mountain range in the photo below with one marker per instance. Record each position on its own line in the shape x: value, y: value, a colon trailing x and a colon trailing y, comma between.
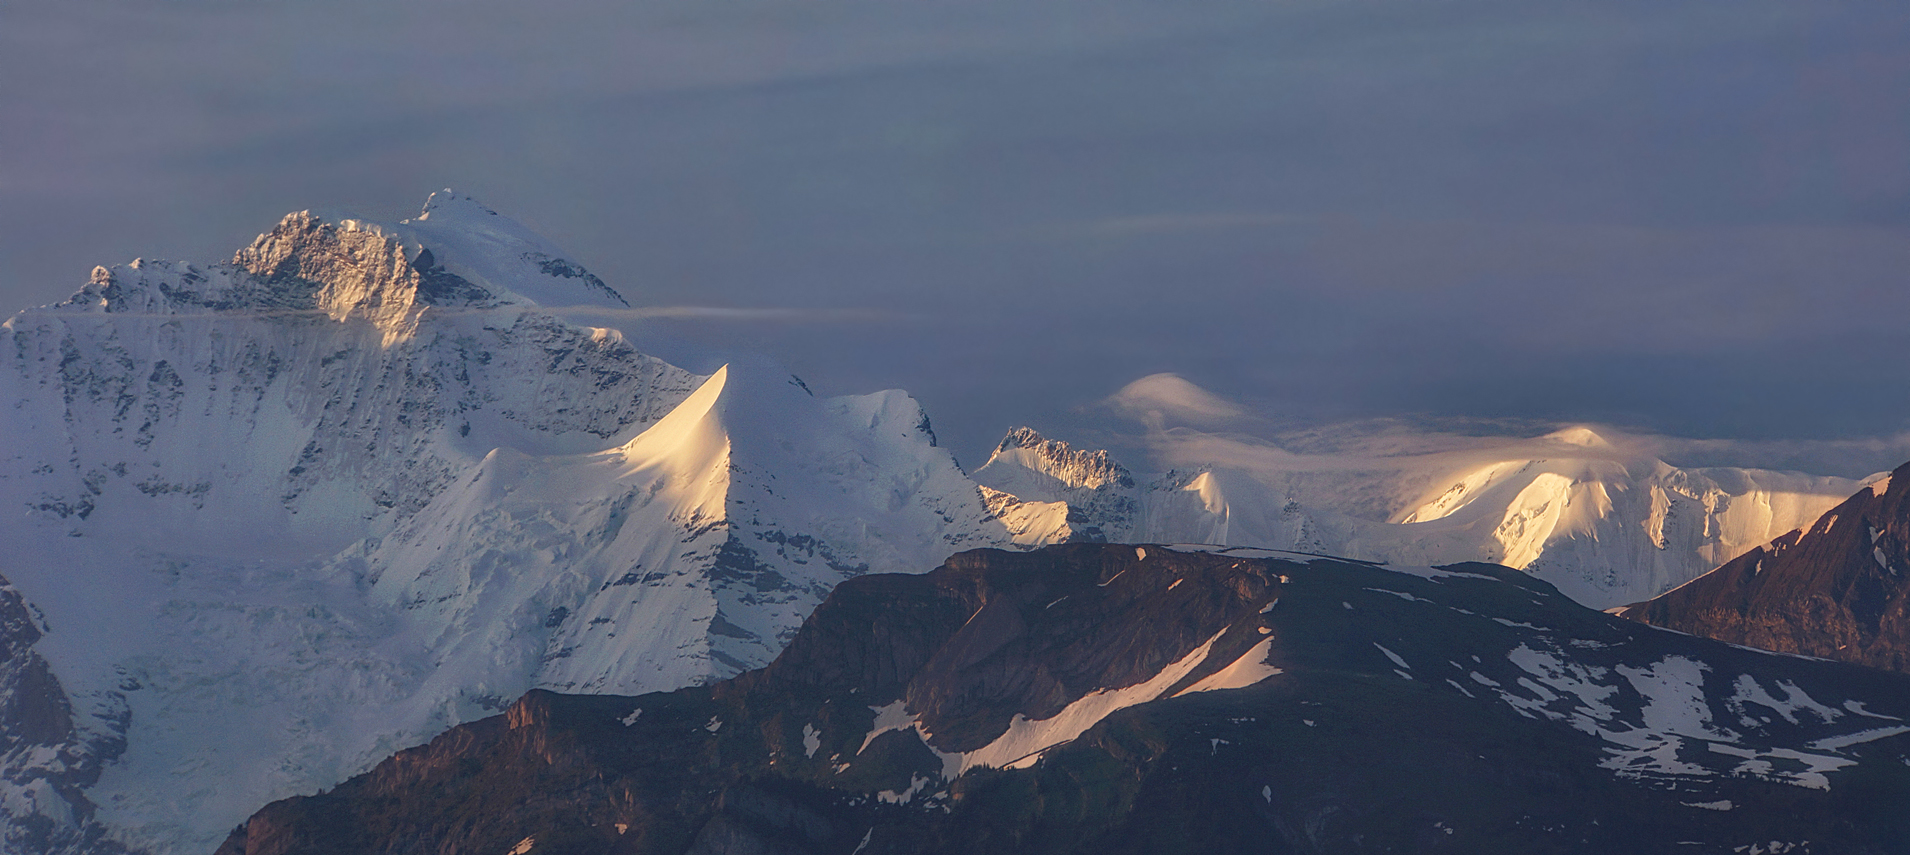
x: 275, y: 519
x: 1604, y: 526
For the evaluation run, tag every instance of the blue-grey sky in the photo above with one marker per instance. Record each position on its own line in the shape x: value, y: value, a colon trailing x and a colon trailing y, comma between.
x: 1688, y: 217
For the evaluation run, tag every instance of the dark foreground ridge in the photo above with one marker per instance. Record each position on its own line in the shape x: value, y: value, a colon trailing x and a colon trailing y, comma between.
x: 1835, y: 590
x: 1102, y: 699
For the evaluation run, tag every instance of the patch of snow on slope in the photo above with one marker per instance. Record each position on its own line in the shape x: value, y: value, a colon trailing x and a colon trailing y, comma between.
x: 1567, y: 678
x: 1659, y: 722
x: 1858, y: 708
x: 1747, y: 690
x: 1675, y: 709
x: 1757, y: 764
x: 1835, y: 742
x: 889, y: 717
x: 1391, y: 655
x: 1027, y: 739
x: 916, y: 785
x: 1246, y: 671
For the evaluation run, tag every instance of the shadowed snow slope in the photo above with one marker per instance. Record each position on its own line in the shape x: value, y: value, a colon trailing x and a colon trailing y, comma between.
x: 283, y: 516
x: 1606, y: 528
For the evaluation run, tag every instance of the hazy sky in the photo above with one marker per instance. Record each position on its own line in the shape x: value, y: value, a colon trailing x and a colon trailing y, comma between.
x: 1690, y: 217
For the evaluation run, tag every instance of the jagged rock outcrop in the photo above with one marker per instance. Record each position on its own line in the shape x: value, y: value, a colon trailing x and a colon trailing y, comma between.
x: 1103, y: 698
x: 1836, y: 589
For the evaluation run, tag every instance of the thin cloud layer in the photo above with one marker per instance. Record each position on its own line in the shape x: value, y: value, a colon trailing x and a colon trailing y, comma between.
x: 737, y: 314
x: 1167, y: 407
x: 1159, y: 398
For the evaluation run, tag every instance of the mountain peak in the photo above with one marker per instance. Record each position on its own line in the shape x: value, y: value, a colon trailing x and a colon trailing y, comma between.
x: 449, y: 205
x: 1023, y: 448
x: 1021, y: 437
x: 505, y: 256
x: 1579, y: 435
x: 456, y: 253
x: 351, y: 268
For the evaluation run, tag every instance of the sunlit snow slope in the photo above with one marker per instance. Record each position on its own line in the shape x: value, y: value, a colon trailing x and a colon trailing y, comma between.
x: 275, y: 519
x: 1606, y: 528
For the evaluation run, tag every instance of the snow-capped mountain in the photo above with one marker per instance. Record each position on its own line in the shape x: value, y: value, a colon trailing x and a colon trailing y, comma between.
x: 1607, y: 528
x: 272, y: 520
x: 280, y: 517
x: 690, y: 552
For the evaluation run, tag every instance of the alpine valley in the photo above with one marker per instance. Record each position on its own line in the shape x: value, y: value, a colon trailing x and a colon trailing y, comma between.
x: 270, y: 522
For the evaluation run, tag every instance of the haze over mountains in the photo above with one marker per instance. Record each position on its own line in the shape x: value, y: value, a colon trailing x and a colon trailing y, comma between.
x: 279, y: 518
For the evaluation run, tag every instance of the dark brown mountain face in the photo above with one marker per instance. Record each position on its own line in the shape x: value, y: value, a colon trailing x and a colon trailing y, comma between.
x: 1835, y: 590
x: 1094, y: 698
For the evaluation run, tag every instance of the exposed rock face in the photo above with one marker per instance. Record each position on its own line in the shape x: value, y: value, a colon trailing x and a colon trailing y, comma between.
x: 348, y: 270
x: 1096, y: 698
x: 1837, y: 589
